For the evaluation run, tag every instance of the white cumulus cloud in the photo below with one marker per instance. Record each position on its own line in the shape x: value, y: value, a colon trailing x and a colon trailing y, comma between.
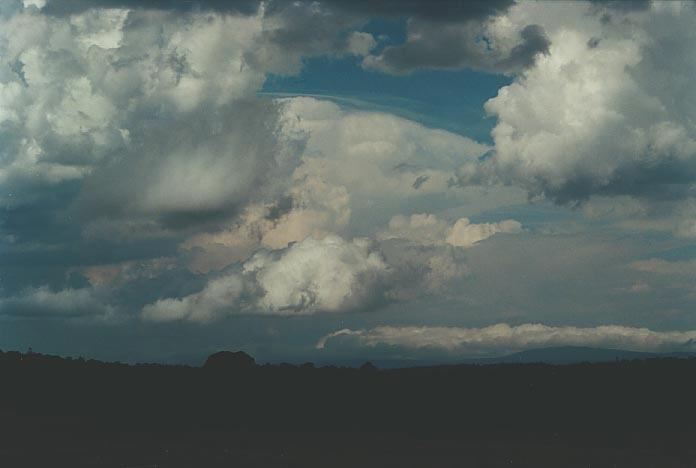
x: 310, y: 276
x: 428, y: 229
x: 597, y: 114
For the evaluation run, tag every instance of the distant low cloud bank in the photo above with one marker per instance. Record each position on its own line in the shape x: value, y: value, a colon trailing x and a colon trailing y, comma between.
x: 503, y: 338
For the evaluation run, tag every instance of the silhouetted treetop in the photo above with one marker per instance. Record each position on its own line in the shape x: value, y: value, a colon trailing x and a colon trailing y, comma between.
x: 229, y: 360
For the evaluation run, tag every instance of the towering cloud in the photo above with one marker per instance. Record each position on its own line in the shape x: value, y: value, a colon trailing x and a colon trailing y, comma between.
x: 597, y: 114
x: 311, y: 276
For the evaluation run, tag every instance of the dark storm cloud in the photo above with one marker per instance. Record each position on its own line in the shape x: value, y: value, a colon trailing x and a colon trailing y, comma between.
x: 68, y: 7
x: 160, y: 186
x: 306, y: 28
x: 458, y: 45
x: 533, y: 41
x: 436, y: 10
x: 433, y: 10
x: 671, y: 179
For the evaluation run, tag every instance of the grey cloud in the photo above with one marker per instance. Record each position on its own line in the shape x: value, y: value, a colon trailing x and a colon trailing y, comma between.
x: 620, y: 5
x: 194, y: 171
x: 434, y: 10
x: 308, y: 28
x: 459, y: 45
x: 70, y: 7
x: 421, y: 270
x: 533, y: 41
x: 440, y: 10
x: 420, y: 180
x: 303, y: 29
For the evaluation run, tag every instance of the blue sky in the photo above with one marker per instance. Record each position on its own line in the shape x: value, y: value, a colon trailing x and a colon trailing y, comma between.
x: 433, y: 98
x: 337, y: 181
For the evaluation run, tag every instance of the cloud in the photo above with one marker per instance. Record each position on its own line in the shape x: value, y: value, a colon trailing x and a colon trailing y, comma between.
x: 598, y: 120
x: 187, y: 173
x: 310, y: 276
x: 331, y: 275
x: 375, y: 153
x: 66, y: 303
x: 422, y: 270
x: 72, y: 7
x: 293, y: 30
x: 348, y: 161
x: 310, y: 207
x: 441, y: 10
x: 76, y: 91
x: 427, y: 229
x: 466, y: 234
x: 219, y: 295
x: 447, y: 10
x: 503, y: 338
x: 472, y: 44
x: 327, y: 275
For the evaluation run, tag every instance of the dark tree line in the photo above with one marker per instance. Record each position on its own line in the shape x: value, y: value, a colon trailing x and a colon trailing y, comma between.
x: 627, y: 405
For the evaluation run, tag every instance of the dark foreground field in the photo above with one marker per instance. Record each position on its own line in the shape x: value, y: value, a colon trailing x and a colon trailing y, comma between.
x: 73, y: 413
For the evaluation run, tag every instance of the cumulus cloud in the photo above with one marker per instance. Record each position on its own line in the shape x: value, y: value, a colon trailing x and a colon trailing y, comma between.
x: 330, y: 275
x: 77, y: 90
x: 327, y: 275
x: 596, y: 115
x: 311, y: 276
x: 428, y: 229
x: 503, y: 338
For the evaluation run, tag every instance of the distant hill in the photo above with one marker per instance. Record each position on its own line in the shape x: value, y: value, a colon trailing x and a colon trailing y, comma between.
x: 551, y: 355
x: 576, y: 354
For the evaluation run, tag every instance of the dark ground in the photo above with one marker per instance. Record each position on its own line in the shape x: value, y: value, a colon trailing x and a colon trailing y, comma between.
x: 56, y: 412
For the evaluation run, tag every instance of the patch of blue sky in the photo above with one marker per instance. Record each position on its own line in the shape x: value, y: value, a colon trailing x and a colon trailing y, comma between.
x: 531, y: 215
x: 448, y: 99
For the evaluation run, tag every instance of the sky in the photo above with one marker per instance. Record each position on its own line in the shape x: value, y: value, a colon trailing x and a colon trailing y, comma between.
x: 336, y: 181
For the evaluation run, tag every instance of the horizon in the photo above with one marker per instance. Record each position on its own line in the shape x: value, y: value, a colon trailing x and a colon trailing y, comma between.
x: 552, y: 355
